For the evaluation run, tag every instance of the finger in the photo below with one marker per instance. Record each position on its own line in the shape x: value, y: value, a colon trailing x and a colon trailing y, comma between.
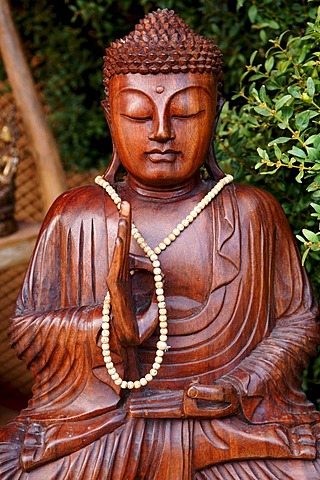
x: 125, y: 228
x: 206, y: 393
x: 117, y: 259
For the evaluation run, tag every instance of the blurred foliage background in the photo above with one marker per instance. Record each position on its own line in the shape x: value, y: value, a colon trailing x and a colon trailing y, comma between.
x: 269, y: 129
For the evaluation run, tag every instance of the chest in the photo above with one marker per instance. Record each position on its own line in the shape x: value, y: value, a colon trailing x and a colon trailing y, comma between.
x: 186, y: 263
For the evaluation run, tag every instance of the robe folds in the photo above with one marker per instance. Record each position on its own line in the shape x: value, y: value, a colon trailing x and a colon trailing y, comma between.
x: 259, y: 340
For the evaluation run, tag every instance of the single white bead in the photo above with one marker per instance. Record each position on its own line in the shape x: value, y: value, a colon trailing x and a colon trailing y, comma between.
x: 157, y: 250
x: 115, y: 376
x: 136, y: 235
x: 157, y: 271
x: 148, y: 377
x: 163, y: 331
x: 172, y: 237
x: 162, y: 245
x: 147, y: 250
x: 156, y: 264
x: 185, y: 222
x: 162, y: 318
x: 143, y: 381
x: 167, y: 241
x: 137, y: 384
x: 117, y: 200
x: 107, y: 359
x: 158, y: 360
x: 160, y: 298
x: 163, y: 324
x: 162, y: 305
x: 118, y: 381
x: 163, y: 338
x: 124, y: 384
x: 159, y: 353
x: 176, y: 232
x: 194, y: 214
x: 180, y: 227
x: 161, y: 345
x: 156, y: 366
x: 159, y: 291
x: 163, y: 311
x: 111, y: 371
x: 105, y: 340
x: 105, y: 325
x: 153, y: 372
x: 109, y: 365
x: 197, y: 208
x: 105, y: 333
x: 189, y: 218
x: 130, y: 385
x: 157, y: 278
x: 159, y: 284
x: 140, y: 240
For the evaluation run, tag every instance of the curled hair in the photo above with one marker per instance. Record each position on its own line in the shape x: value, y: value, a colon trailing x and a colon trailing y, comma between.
x: 162, y: 43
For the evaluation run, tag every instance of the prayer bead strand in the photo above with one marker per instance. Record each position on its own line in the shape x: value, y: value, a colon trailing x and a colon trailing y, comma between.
x: 162, y: 345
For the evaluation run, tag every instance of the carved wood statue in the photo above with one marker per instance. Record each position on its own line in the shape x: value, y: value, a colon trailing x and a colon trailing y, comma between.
x: 166, y: 318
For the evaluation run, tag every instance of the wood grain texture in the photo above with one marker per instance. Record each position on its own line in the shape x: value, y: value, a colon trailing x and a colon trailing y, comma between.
x: 227, y: 401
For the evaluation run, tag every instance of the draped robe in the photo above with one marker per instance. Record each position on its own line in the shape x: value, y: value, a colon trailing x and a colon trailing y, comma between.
x: 257, y: 330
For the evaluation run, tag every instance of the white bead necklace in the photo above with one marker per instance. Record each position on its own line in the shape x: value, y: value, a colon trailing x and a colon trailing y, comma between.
x: 162, y: 345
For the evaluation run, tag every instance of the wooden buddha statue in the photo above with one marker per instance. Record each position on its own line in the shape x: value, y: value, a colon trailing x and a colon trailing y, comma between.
x: 166, y: 317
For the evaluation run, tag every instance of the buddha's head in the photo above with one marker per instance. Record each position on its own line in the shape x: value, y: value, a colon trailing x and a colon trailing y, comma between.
x: 162, y: 85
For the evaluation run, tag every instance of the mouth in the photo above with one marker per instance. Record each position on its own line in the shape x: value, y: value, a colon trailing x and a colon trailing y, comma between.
x: 156, y: 155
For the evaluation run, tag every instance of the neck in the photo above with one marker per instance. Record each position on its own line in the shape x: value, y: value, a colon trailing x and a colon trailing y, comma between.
x: 164, y: 192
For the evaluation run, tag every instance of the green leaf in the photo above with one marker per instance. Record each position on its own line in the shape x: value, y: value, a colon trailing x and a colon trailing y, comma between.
x: 310, y: 87
x: 263, y: 36
x: 268, y: 65
x: 252, y: 13
x: 311, y: 236
x: 302, y: 120
x: 262, y: 153
x: 304, y: 256
x: 316, y: 207
x: 299, y: 177
x: 282, y: 101
x: 262, y: 94
x: 311, y: 139
x: 276, y: 141
x: 300, y: 238
x: 297, y: 152
x: 253, y: 56
x: 295, y: 93
x: 287, y: 112
x: 277, y: 152
x: 262, y: 111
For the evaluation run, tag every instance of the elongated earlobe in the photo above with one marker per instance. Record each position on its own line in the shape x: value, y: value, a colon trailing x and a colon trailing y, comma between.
x: 211, y: 165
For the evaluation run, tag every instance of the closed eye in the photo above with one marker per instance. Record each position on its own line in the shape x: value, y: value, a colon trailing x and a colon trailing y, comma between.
x: 135, y: 118
x: 192, y: 115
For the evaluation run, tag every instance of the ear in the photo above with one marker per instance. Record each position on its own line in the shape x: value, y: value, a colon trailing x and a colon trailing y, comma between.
x: 220, y: 103
x: 111, y: 173
x: 106, y: 108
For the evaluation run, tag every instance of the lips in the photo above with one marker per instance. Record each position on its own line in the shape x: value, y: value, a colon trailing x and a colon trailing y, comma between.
x: 157, y: 156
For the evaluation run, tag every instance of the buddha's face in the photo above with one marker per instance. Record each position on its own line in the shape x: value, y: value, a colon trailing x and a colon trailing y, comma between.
x: 162, y: 125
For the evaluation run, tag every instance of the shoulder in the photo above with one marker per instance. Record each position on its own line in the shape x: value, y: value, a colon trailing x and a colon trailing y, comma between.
x: 80, y: 203
x: 253, y: 199
x: 255, y: 208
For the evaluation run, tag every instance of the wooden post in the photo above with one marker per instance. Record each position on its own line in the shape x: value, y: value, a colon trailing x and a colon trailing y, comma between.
x: 42, y: 141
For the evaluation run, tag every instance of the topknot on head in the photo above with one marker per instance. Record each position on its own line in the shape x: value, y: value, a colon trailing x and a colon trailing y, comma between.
x: 162, y: 43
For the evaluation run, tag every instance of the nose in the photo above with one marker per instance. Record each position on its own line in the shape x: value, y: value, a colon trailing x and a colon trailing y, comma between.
x: 162, y: 130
